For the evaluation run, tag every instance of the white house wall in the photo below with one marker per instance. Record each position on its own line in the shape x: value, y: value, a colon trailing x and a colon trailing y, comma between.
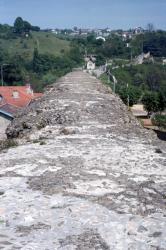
x: 3, y: 126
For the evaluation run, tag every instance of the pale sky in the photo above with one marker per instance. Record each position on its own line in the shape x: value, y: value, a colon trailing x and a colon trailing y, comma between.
x: 86, y: 13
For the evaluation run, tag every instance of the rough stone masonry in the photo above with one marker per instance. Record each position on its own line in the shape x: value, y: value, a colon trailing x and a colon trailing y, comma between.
x: 85, y: 175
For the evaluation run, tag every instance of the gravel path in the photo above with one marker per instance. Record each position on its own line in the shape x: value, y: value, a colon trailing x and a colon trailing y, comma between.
x: 86, y: 175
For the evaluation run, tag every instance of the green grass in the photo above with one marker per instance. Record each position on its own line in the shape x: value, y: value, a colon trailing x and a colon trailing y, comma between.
x: 45, y: 42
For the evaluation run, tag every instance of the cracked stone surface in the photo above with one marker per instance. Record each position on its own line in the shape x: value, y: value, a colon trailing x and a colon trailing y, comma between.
x: 85, y: 175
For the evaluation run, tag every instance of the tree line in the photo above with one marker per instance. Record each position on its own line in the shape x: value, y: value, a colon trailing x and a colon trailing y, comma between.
x: 21, y: 26
x: 41, y: 70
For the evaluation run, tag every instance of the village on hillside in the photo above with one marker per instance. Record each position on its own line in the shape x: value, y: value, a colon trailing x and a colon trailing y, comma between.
x: 108, y: 69
x: 82, y: 125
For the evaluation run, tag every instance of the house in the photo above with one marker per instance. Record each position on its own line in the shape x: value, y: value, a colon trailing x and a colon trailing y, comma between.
x: 12, y: 99
x: 101, y: 38
x: 90, y: 62
x: 91, y: 65
x: 142, y: 58
x: 138, y: 30
x: 164, y: 61
x: 5, y: 119
x: 17, y: 96
x: 126, y: 35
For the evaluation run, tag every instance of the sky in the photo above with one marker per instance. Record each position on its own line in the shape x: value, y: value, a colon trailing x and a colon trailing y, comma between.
x: 114, y: 14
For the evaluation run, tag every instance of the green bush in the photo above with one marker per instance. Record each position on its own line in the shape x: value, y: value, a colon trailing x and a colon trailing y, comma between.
x: 153, y: 101
x: 129, y: 94
x: 160, y: 121
x: 49, y: 78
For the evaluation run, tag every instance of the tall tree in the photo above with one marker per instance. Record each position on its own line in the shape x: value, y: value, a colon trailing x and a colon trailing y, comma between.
x: 161, y: 102
x: 36, y: 60
x: 27, y: 26
x: 151, y: 102
x: 19, y: 25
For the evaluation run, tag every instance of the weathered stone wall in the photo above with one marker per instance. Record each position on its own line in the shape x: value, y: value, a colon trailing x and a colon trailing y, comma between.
x: 67, y: 103
x: 87, y: 175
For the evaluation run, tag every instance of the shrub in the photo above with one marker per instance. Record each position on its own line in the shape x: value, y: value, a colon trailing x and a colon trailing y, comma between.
x: 160, y: 121
x: 6, y: 144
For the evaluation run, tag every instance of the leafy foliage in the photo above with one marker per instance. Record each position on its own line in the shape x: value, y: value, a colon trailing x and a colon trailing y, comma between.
x: 150, y: 77
x: 146, y: 83
x: 153, y: 42
x: 150, y: 101
x: 153, y: 101
x: 38, y: 58
x: 21, y: 26
x: 129, y: 95
x: 160, y: 121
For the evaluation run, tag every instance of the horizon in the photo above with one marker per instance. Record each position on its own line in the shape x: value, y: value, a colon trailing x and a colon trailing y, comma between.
x: 67, y: 14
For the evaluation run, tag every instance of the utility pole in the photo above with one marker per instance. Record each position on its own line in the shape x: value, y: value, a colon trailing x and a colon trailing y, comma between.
x: 128, y: 97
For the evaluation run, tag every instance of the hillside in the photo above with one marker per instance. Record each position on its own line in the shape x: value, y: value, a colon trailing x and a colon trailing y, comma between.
x: 34, y: 56
x: 45, y: 42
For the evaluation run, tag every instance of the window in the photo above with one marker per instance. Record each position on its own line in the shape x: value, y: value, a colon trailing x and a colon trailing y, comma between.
x: 15, y: 94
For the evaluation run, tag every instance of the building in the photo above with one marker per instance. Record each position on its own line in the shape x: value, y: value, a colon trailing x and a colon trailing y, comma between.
x: 144, y: 57
x: 138, y: 30
x: 164, y: 61
x: 101, y: 38
x: 90, y: 62
x: 5, y: 119
x: 12, y: 99
x: 17, y: 96
x: 91, y: 65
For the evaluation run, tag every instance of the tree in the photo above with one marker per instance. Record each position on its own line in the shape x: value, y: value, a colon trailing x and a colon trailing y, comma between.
x: 27, y: 26
x: 35, y: 28
x: 19, y: 25
x: 131, y: 94
x: 75, y: 56
x: 151, y: 102
x: 35, y: 61
x: 100, y: 60
x: 91, y: 38
x: 13, y: 74
x: 161, y: 102
x: 153, y: 79
x: 160, y: 121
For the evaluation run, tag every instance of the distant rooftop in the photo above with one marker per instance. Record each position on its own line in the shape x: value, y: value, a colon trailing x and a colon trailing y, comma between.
x: 13, y: 98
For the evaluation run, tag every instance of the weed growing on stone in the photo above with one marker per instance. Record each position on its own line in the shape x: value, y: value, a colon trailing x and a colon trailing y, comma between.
x: 6, y: 144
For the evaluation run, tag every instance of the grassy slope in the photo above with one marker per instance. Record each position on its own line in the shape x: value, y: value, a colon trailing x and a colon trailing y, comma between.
x: 45, y: 42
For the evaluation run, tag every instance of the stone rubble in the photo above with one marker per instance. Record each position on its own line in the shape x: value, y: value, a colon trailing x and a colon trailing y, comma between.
x: 85, y: 175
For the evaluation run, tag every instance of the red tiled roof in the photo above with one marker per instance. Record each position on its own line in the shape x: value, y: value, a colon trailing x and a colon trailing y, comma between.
x: 9, y: 108
x: 25, y: 95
